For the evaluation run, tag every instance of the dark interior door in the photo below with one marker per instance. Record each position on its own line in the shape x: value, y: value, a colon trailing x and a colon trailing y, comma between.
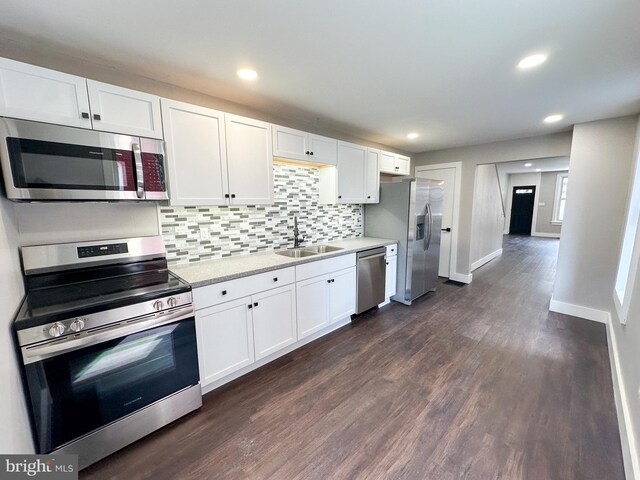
x: 522, y: 210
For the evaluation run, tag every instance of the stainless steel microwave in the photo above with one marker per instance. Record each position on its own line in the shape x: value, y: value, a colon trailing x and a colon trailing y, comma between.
x: 41, y: 161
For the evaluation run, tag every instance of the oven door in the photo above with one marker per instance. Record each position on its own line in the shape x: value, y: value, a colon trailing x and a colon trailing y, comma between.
x: 83, y: 389
x: 52, y: 162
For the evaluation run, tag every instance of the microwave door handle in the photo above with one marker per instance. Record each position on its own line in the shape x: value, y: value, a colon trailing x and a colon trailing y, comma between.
x: 137, y: 157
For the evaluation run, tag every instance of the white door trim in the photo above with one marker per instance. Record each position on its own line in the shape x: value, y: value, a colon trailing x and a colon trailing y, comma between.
x: 457, y: 190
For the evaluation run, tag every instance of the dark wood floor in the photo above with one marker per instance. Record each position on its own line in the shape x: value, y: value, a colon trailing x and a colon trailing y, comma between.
x: 477, y: 382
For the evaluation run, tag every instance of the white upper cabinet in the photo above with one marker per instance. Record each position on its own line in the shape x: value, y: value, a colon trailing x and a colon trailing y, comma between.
x: 352, y: 167
x: 121, y: 110
x: 372, y: 176
x: 395, y: 164
x: 35, y: 93
x: 298, y: 145
x: 196, y: 154
x: 249, y: 160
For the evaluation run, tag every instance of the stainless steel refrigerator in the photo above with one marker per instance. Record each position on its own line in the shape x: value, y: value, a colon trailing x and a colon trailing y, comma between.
x: 410, y: 211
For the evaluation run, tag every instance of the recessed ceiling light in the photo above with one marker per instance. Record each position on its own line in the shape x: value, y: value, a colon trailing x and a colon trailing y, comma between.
x: 553, y: 118
x: 412, y: 136
x: 532, y: 61
x: 528, y: 164
x: 247, y: 74
x: 538, y: 169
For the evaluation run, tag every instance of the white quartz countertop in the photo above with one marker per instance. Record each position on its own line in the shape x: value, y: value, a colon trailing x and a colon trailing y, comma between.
x: 207, y: 272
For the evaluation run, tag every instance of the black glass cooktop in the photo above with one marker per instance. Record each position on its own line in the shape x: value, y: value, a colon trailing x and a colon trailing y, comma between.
x: 53, y: 303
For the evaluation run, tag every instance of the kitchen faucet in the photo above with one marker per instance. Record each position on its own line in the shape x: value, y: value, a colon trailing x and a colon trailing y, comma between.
x: 297, y: 240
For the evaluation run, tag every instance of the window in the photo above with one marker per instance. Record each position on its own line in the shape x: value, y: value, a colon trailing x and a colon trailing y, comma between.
x: 560, y: 198
x: 628, y: 261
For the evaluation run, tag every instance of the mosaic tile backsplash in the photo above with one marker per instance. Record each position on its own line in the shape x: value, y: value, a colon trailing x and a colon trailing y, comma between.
x: 239, y: 230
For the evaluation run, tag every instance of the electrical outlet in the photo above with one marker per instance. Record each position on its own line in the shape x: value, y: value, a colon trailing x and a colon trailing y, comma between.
x: 204, y: 233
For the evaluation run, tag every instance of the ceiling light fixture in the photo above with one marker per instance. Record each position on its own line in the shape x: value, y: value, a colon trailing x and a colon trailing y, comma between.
x: 528, y: 164
x: 553, y: 118
x: 247, y: 74
x: 532, y: 61
x: 412, y: 136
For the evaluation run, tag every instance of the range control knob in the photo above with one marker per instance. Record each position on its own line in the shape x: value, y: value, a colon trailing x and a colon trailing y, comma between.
x: 158, y: 305
x: 77, y: 325
x: 172, y: 302
x: 56, y: 329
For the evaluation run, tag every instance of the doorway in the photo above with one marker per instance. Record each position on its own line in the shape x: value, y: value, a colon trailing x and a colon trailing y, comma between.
x: 522, y: 204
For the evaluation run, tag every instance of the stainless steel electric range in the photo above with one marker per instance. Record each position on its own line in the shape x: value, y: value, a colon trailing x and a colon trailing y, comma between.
x: 107, y: 337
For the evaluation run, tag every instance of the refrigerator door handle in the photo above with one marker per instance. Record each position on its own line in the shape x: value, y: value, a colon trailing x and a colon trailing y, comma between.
x: 428, y: 236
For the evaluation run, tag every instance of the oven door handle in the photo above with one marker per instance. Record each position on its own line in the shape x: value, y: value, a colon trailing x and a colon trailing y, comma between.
x: 40, y: 352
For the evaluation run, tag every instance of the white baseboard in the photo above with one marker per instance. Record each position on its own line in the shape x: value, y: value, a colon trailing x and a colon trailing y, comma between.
x: 579, y: 311
x: 478, y: 263
x: 627, y: 437
x: 546, y: 235
x: 461, y: 277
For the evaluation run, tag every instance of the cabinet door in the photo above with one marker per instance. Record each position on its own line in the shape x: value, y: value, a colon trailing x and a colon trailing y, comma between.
x: 390, y: 277
x: 323, y: 149
x: 249, y: 161
x: 34, y: 93
x: 121, y: 110
x: 312, y: 299
x: 225, y: 339
x: 387, y: 162
x: 372, y: 176
x: 196, y: 154
x: 403, y: 165
x: 342, y: 293
x: 290, y: 143
x: 274, y: 320
x: 352, y: 160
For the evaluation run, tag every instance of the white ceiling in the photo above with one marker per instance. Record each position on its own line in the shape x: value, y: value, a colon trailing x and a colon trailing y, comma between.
x: 374, y: 69
x: 551, y: 164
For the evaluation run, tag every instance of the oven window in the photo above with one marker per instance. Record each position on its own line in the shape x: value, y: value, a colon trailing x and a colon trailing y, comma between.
x: 77, y: 392
x: 39, y: 164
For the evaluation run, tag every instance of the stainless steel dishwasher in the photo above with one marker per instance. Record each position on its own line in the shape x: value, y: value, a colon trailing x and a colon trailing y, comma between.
x: 372, y: 270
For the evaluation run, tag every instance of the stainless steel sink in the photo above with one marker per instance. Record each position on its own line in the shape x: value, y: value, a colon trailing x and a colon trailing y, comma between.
x: 322, y: 249
x: 296, y: 253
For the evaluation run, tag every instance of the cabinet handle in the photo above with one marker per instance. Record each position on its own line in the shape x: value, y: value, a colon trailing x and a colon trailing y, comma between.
x: 307, y: 152
x: 226, y: 195
x: 224, y: 292
x: 96, y: 116
x: 233, y: 195
x: 85, y: 114
x: 339, y: 196
x: 255, y: 304
x: 250, y: 306
x: 328, y: 281
x: 275, y: 279
x: 310, y: 153
x: 368, y: 196
x: 387, y: 263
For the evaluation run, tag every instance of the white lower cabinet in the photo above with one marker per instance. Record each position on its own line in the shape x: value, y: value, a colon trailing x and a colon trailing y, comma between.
x: 225, y: 339
x: 312, y: 296
x: 391, y: 277
x: 274, y: 320
x: 342, y: 294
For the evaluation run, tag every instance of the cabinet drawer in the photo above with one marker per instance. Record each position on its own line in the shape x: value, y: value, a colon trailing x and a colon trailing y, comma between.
x: 392, y: 250
x: 217, y: 293
x: 322, y: 267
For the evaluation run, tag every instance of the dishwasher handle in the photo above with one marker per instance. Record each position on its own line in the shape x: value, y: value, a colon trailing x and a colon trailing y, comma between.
x: 372, y: 253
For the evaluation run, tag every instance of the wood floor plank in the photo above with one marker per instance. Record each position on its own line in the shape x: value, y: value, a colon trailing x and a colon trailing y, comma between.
x: 475, y: 382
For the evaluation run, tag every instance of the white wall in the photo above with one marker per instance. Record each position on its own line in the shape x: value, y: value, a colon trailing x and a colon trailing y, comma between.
x: 521, y: 180
x: 600, y: 166
x: 16, y: 434
x: 487, y: 220
x: 556, y: 145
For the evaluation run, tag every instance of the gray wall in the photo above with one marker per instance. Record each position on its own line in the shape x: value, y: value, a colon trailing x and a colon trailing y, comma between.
x: 487, y: 220
x: 556, y: 145
x: 547, y: 196
x: 16, y: 436
x: 600, y: 166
